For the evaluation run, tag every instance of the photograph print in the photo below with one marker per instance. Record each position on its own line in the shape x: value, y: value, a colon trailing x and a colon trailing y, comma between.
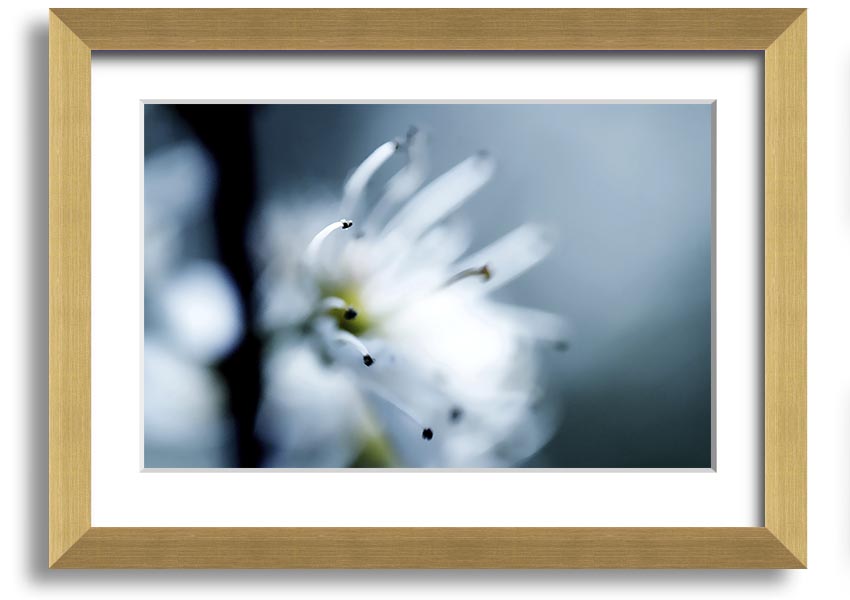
x: 445, y: 285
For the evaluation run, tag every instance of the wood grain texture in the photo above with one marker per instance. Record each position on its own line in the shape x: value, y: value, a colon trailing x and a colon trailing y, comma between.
x: 69, y: 429
x: 428, y: 29
x: 415, y: 548
x: 780, y: 33
x: 785, y: 288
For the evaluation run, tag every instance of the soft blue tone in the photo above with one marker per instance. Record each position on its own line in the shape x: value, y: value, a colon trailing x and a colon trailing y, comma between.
x: 627, y: 192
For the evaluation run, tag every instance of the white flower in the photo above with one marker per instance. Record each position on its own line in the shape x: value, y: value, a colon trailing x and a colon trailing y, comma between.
x: 386, y: 347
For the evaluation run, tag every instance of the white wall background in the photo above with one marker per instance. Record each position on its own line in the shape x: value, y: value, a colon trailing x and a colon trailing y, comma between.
x: 23, y: 377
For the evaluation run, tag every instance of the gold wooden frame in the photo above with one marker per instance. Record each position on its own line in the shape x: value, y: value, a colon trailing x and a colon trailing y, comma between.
x: 779, y: 33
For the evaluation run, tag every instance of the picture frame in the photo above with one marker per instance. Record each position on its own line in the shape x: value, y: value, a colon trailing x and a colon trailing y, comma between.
x: 780, y: 34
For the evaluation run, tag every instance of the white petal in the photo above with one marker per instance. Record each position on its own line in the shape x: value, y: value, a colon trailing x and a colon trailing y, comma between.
x: 447, y: 331
x: 414, y: 271
x: 530, y: 322
x: 311, y: 414
x: 441, y: 197
x: 510, y: 256
x: 442, y: 245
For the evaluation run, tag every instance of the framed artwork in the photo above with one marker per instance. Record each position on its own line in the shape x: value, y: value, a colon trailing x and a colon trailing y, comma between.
x: 478, y: 288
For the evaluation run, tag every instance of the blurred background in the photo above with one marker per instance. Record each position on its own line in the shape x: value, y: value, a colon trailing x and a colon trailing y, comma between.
x: 626, y: 190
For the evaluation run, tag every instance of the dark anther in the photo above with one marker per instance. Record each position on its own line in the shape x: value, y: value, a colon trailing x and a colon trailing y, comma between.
x: 368, y: 360
x: 349, y: 314
x: 346, y: 223
x: 427, y: 434
x: 455, y: 414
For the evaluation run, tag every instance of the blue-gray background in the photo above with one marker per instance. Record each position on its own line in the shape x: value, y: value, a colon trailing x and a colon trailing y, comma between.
x: 627, y: 190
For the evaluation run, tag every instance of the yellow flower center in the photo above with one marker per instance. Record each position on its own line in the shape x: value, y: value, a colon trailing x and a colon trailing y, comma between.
x: 358, y: 325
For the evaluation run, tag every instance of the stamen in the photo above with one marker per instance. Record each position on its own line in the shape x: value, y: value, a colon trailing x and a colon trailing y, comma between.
x: 403, y: 184
x: 513, y: 254
x: 482, y: 271
x: 427, y: 432
x: 352, y: 340
x: 315, y: 244
x: 455, y: 414
x: 332, y: 303
x: 359, y: 179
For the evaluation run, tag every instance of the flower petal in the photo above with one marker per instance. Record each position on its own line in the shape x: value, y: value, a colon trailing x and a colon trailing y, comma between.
x: 441, y: 197
x: 529, y: 322
x: 510, y: 256
x: 403, y: 184
x: 311, y: 413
